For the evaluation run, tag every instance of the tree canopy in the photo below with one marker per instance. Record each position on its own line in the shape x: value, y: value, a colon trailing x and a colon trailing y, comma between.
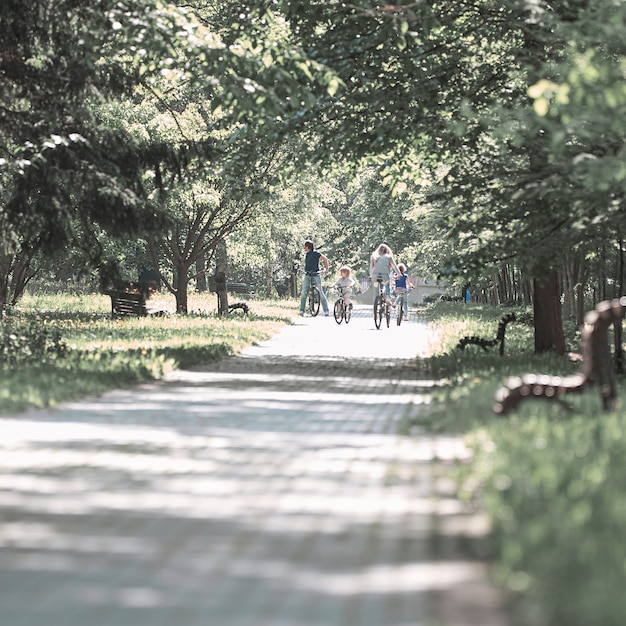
x: 501, y: 122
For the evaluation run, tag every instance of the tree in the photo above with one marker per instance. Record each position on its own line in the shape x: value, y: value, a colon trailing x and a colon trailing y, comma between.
x: 444, y: 88
x: 203, y: 218
x: 60, y: 61
x: 62, y: 171
x: 545, y: 198
x: 417, y: 87
x: 268, y: 250
x: 487, y: 102
x: 218, y: 180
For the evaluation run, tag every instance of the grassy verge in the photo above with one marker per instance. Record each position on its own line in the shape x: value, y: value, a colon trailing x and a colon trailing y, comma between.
x: 63, y: 347
x: 550, y: 478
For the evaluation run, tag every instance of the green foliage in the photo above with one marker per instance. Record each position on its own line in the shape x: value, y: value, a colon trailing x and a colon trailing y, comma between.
x: 553, y: 487
x: 540, y: 183
x: 74, y: 348
x: 346, y: 214
x: 78, y: 375
x: 509, y: 115
x: 401, y: 75
x: 29, y: 341
x: 550, y: 478
x: 264, y: 250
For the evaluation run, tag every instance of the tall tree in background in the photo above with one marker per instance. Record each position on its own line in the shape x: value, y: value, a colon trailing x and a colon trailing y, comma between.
x: 60, y: 163
x: 546, y: 180
x: 440, y: 91
x: 434, y: 92
x: 207, y: 179
x: 420, y: 89
x: 62, y: 170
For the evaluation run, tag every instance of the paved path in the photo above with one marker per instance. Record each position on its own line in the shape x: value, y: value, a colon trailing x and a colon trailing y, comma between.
x: 269, y: 489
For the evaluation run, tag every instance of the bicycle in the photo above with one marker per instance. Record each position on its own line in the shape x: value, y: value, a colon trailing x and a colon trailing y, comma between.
x: 401, y: 295
x: 314, y: 295
x: 382, y: 306
x: 342, y: 311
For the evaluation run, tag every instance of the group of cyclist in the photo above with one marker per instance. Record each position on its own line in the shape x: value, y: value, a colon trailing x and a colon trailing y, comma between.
x: 382, y: 265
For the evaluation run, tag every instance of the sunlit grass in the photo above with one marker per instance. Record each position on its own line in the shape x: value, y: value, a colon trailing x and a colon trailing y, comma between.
x: 104, y: 353
x: 549, y: 475
x: 470, y: 377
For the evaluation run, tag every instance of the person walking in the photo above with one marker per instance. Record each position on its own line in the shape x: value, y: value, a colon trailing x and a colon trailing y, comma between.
x: 381, y: 264
x: 312, y: 259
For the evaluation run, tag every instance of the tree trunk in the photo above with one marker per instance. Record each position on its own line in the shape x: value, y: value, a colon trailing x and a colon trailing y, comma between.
x: 5, y: 277
x: 619, y: 269
x: 22, y: 274
x: 182, y: 283
x: 569, y: 292
x: 15, y: 273
x: 618, y: 334
x: 547, y: 314
x: 581, y: 279
x: 201, y: 282
x: 4, y: 296
x: 495, y: 295
x: 500, y: 287
x: 293, y: 283
x: 269, y: 280
x: 602, y: 282
x: 221, y: 262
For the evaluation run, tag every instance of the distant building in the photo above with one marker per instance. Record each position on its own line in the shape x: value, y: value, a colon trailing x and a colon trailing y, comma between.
x: 424, y: 287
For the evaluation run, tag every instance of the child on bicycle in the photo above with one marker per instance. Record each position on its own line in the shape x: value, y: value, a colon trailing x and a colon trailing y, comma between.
x: 402, y: 287
x: 381, y: 263
x: 345, y: 282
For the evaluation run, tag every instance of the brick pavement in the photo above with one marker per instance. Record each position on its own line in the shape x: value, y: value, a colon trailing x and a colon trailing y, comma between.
x: 268, y: 489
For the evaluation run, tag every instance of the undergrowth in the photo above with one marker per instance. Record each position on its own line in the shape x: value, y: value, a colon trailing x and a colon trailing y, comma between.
x: 60, y: 347
x: 550, y: 476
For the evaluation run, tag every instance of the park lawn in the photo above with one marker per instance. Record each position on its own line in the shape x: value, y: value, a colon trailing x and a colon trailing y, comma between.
x: 94, y: 353
x: 549, y: 477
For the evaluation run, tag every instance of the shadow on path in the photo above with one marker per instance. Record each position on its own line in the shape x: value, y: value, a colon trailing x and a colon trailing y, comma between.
x: 268, y: 489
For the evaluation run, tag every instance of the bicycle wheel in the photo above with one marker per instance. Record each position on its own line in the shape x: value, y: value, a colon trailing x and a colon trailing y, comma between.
x: 379, y: 304
x: 347, y: 313
x: 314, y: 301
x: 338, y: 311
x: 399, y: 311
x: 388, y: 313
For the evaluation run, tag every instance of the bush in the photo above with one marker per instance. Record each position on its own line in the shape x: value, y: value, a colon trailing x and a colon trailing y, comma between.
x: 29, y: 341
x: 65, y: 346
x: 549, y: 475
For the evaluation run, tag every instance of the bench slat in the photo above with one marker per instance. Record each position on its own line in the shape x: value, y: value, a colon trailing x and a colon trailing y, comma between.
x: 125, y: 304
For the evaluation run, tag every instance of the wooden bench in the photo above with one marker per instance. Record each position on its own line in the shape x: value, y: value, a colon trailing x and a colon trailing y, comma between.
x: 488, y: 343
x: 597, y: 367
x: 127, y: 304
x: 240, y: 288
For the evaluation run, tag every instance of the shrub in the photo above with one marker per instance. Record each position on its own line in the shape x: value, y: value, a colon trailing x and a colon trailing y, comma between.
x: 29, y: 341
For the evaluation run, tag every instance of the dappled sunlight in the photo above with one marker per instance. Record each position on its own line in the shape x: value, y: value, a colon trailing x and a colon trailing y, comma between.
x: 375, y: 579
x: 257, y: 485
x: 37, y: 535
x: 64, y: 467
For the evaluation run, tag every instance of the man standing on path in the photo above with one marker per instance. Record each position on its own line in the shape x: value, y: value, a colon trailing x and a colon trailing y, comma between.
x: 312, y: 273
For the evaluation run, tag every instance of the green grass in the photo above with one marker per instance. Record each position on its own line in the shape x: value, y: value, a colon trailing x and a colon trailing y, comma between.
x: 469, y: 378
x: 550, y: 478
x: 98, y: 353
